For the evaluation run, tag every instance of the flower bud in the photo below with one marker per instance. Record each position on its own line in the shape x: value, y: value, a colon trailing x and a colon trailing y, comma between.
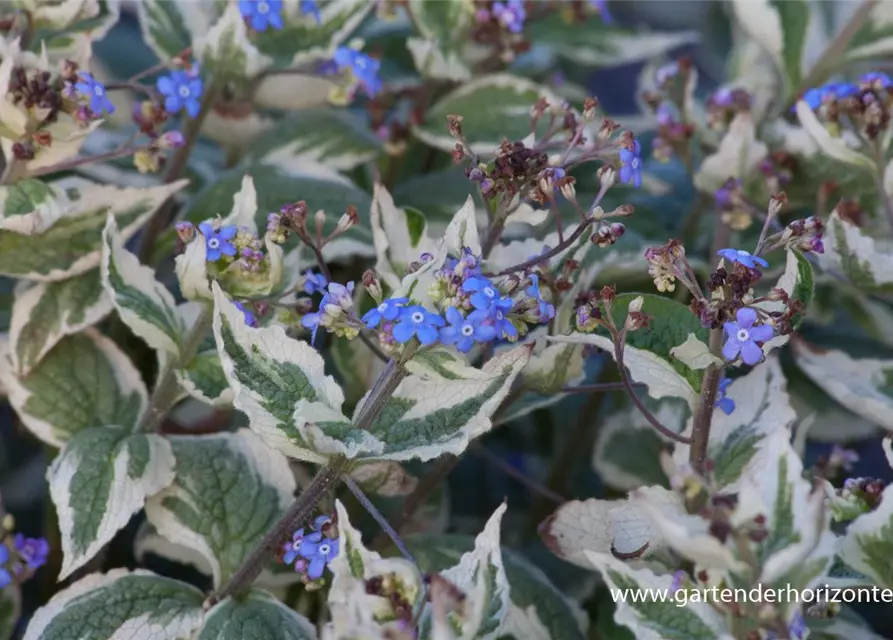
x: 607, y: 294
x: 372, y: 285
x: 8, y: 523
x: 294, y: 217
x: 348, y: 219
x: 623, y: 211
x: 777, y: 202
x: 589, y: 108
x: 454, y: 125
x: 185, y: 231
x: 146, y: 161
x: 607, y: 175
x: 568, y: 190
x: 171, y: 140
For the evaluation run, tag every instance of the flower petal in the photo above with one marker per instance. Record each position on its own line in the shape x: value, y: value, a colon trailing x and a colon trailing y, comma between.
x: 731, y: 349
x: 317, y: 566
x: 404, y: 331
x: 746, y: 317
x: 762, y: 333
x: 751, y: 353
x: 165, y: 86
x: 426, y: 334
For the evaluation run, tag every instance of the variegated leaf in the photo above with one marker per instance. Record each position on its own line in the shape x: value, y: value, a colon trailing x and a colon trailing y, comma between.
x: 46, y: 312
x: 206, y: 506
x: 836, y: 148
x: 204, y: 380
x: 226, y: 51
x: 83, y: 381
x: 865, y: 262
x: 738, y: 156
x: 138, y: 604
x: 868, y: 542
x: 30, y: 206
x: 259, y: 616
x: 98, y: 481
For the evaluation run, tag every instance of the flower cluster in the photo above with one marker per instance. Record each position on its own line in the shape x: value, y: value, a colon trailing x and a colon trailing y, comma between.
x: 856, y: 497
x: 669, y: 102
x: 311, y: 552
x: 360, y: 71
x: 20, y: 556
x: 865, y: 105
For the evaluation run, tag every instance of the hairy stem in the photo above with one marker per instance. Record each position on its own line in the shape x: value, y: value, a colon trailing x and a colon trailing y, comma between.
x: 700, y: 433
x: 379, y: 517
x: 166, y: 389
x: 571, y: 239
x: 175, y: 169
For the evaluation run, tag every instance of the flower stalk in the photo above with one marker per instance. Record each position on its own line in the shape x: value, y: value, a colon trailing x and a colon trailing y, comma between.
x: 700, y: 434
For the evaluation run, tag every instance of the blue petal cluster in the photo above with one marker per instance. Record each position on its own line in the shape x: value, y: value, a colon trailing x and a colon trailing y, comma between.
x: 94, y: 90
x: 311, y: 553
x: 723, y: 403
x: 744, y: 338
x: 181, y: 90
x: 363, y: 68
x: 262, y: 14
x: 218, y: 242
x: 631, y: 165
x: 742, y: 257
x: 510, y: 14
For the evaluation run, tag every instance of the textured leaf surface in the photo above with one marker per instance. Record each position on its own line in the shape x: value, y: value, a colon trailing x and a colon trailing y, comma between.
x: 864, y: 385
x: 228, y: 492
x: 538, y: 610
x: 868, y: 543
x: 334, y: 137
x: 29, y: 206
x: 120, y: 605
x: 741, y: 439
x: 46, y: 312
x: 399, y: 236
x: 142, y: 302
x: 72, y: 245
x: 82, y: 382
x: 204, y: 379
x: 857, y: 256
x: 98, y: 481
x: 258, y: 616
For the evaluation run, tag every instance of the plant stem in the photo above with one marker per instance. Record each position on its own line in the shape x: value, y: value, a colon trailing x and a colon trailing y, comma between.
x: 177, y: 166
x: 166, y: 389
x: 379, y: 517
x: 700, y: 433
x: 536, y: 488
x: 834, y: 53
x: 600, y: 387
x: 571, y: 239
x: 300, y: 510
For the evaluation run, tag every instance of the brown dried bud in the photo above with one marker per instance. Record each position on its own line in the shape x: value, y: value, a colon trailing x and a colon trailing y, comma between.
x: 23, y: 151
x: 607, y: 294
x: 623, y: 211
x: 43, y: 138
x: 454, y: 126
x: 458, y: 154
x: 294, y: 216
x: 350, y: 218
x: 590, y: 105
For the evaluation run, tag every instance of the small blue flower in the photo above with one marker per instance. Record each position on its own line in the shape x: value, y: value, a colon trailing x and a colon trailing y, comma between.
x: 830, y: 91
x: 90, y: 88
x: 181, y: 91
x: 387, y: 311
x: 511, y: 14
x: 744, y: 338
x: 311, y: 320
x: 876, y: 80
x: 726, y: 405
x: 546, y: 309
x: 499, y: 316
x: 314, y: 282
x: 484, y: 293
x: 678, y: 579
x: 5, y: 576
x: 417, y: 321
x: 631, y: 165
x: 262, y: 13
x: 363, y: 68
x: 742, y: 257
x: 602, y: 6
x: 218, y: 243
x: 291, y: 549
x: 320, y: 551
x: 250, y: 320
x: 797, y: 628
x: 309, y: 7
x: 464, y: 332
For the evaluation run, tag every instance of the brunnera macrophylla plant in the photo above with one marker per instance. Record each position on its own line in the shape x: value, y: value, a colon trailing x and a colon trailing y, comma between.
x: 364, y: 320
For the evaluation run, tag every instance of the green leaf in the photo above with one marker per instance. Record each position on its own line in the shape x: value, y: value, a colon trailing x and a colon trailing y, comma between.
x: 856, y: 256
x: 73, y: 244
x: 29, y: 206
x: 426, y: 418
x: 204, y: 379
x: 804, y: 285
x: 225, y: 50
x: 46, y: 312
x: 399, y: 237
x: 229, y: 491
x: 794, y: 16
x: 115, y: 604
x: 83, y: 381
x: 10, y: 609
x: 443, y: 22
x: 336, y: 138
x: 536, y: 603
x: 143, y: 303
x: 98, y: 481
x: 257, y: 616
x: 875, y: 38
x: 439, y: 193
x: 868, y: 543
x: 278, y: 186
x: 165, y: 27
x: 553, y: 368
x: 493, y: 108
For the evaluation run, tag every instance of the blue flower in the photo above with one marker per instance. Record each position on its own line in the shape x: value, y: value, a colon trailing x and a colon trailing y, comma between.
x: 484, y: 293
x: 726, y: 405
x: 876, y: 80
x: 742, y: 257
x: 546, y: 310
x: 262, y: 13
x: 292, y: 548
x: 90, y: 88
x: 363, y: 68
x: 463, y: 332
x: 309, y: 7
x: 744, y: 337
x: 602, y: 6
x: 336, y: 295
x: 5, y: 576
x: 218, y: 243
x: 830, y: 91
x: 797, y: 628
x: 250, y: 320
x: 387, y: 310
x: 181, y: 90
x: 417, y: 321
x: 511, y: 14
x: 320, y: 551
x: 631, y: 165
x: 314, y: 282
x: 504, y: 327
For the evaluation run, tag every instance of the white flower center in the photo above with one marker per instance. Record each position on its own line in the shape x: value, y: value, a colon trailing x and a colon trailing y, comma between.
x: 263, y: 8
x: 467, y: 330
x: 417, y: 317
x: 499, y: 315
x: 359, y: 63
x: 635, y: 163
x: 99, y: 91
x: 184, y: 92
x: 743, y: 335
x: 296, y: 544
x: 213, y: 243
x: 324, y: 549
x: 742, y: 253
x: 488, y: 291
x: 382, y: 307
